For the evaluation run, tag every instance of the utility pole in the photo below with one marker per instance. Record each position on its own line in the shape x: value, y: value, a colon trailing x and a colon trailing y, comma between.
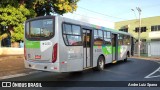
x: 139, y: 31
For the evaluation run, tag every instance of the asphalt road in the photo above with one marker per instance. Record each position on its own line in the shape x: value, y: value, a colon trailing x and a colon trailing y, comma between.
x: 132, y: 70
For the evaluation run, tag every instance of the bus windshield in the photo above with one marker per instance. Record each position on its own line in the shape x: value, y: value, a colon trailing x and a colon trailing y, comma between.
x: 39, y: 28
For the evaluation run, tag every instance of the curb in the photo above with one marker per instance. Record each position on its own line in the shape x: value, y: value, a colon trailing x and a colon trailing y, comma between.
x: 151, y: 59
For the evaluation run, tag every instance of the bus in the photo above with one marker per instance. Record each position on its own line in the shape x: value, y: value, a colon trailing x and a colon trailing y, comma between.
x: 59, y: 44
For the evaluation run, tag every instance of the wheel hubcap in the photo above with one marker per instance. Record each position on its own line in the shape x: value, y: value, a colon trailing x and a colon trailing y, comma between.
x: 101, y: 64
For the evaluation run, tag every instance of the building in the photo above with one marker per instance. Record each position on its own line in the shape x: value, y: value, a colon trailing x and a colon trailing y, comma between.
x: 150, y: 33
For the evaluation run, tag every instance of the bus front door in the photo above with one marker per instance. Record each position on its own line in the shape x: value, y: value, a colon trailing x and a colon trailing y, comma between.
x: 86, y: 48
x: 114, y: 47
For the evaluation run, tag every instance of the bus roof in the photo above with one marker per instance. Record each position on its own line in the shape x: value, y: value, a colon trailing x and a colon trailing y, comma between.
x: 84, y: 24
x: 94, y: 26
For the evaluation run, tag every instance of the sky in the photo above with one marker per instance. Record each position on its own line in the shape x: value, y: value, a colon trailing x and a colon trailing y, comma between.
x: 106, y: 12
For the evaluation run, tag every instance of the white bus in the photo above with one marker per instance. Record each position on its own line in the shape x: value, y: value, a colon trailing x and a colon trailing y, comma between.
x: 58, y: 44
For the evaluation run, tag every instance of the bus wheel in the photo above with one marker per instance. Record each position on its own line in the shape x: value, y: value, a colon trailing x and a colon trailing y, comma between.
x: 126, y: 59
x: 100, y: 63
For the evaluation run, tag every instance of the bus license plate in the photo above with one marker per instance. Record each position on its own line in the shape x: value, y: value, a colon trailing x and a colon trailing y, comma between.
x: 37, y: 56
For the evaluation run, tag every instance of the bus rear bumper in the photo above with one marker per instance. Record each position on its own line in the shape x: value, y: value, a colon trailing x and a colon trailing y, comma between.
x: 53, y: 67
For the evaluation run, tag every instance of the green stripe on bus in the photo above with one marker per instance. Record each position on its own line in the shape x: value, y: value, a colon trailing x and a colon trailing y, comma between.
x: 105, y: 49
x: 119, y: 49
x: 108, y: 49
x: 95, y: 46
x: 32, y: 44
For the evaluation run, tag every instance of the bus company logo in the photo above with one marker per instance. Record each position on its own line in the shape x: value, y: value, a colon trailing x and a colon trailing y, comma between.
x: 6, y: 84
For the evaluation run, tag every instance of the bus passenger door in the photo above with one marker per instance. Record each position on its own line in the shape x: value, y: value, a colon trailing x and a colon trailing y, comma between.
x: 87, y: 48
x: 114, y: 47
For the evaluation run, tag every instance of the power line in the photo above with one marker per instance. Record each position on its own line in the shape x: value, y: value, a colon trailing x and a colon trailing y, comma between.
x: 150, y: 6
x: 89, y: 16
x: 101, y: 13
x: 93, y: 22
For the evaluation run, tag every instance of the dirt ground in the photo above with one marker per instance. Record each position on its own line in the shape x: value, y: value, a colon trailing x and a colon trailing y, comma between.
x: 12, y: 64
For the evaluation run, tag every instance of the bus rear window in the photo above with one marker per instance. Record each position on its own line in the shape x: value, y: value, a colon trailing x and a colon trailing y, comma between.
x: 39, y: 29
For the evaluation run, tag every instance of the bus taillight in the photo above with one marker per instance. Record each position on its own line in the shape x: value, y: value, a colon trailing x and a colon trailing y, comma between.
x: 54, y: 53
x: 25, y: 53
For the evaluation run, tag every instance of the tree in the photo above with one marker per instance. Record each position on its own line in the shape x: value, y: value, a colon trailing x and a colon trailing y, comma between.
x: 43, y: 7
x: 13, y: 13
x: 4, y: 3
x: 13, y: 18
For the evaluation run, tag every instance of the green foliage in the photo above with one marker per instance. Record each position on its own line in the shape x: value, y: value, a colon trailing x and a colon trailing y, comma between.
x: 43, y: 7
x: 30, y: 4
x: 46, y: 7
x: 13, y: 13
x: 4, y: 3
x: 14, y: 18
x: 18, y: 33
x: 65, y: 6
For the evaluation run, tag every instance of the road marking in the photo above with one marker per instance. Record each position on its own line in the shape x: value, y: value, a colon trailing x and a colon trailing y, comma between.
x: 18, y: 75
x: 151, y: 75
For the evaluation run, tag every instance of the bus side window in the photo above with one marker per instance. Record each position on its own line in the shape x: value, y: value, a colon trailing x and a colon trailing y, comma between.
x: 98, y: 37
x: 72, y: 35
x: 76, y: 30
x: 74, y: 40
x: 107, y: 38
x: 127, y: 40
x: 120, y: 39
x: 65, y: 39
x: 67, y: 29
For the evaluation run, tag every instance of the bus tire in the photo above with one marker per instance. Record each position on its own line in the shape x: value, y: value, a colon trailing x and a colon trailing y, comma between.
x: 127, y: 55
x: 100, y: 63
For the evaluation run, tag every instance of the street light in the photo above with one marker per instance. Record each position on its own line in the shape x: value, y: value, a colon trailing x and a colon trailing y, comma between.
x: 134, y: 13
x: 139, y: 31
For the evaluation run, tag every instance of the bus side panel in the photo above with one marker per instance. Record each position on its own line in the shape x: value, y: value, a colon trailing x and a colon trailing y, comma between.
x: 107, y: 52
x: 108, y: 58
x: 129, y: 49
x: 97, y: 51
x: 123, y: 51
x: 75, y: 58
x: 102, y: 50
x: 120, y: 54
x: 70, y: 57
